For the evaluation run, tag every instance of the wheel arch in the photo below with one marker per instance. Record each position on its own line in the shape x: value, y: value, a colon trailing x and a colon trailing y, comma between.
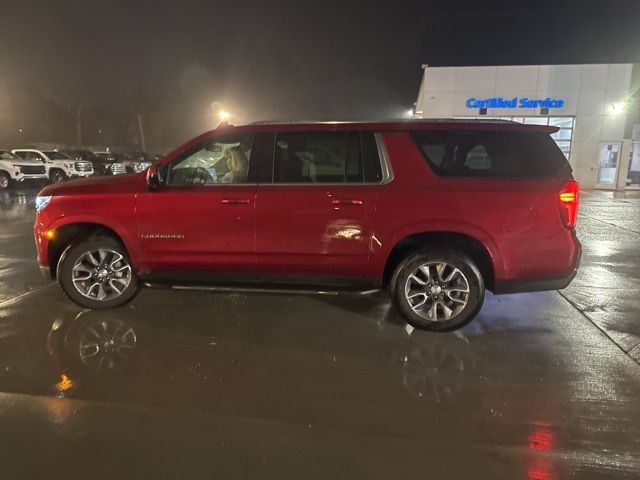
x: 468, y: 244
x: 71, y: 231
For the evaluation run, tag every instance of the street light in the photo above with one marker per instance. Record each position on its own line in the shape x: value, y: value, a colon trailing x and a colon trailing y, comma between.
x: 618, y: 108
x: 224, y: 116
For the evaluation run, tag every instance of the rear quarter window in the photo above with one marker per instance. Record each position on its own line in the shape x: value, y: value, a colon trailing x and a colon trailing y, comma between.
x: 506, y: 154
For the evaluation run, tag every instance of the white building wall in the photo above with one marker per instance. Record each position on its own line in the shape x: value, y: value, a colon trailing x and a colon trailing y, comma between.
x: 588, y: 92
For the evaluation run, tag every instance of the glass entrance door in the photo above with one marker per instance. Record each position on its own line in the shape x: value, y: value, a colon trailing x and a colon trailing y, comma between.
x: 633, y: 175
x: 608, y: 160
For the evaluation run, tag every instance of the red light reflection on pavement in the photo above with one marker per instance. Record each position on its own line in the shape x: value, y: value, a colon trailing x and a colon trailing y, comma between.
x: 540, y: 441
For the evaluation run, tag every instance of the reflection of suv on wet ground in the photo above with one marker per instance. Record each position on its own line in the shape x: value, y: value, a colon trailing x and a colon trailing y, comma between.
x: 60, y: 165
x: 435, y: 211
x: 14, y: 169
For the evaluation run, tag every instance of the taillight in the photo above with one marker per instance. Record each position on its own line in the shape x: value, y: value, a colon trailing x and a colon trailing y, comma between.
x: 569, y: 198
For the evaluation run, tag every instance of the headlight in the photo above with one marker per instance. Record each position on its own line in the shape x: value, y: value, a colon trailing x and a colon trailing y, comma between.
x: 17, y: 167
x: 68, y: 165
x: 42, y: 201
x: 107, y: 166
x: 138, y: 167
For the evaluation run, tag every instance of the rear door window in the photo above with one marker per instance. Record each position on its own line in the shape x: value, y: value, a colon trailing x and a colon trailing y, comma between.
x: 491, y: 153
x: 317, y: 157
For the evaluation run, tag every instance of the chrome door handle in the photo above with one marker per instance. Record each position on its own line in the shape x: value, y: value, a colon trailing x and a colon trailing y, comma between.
x: 235, y: 201
x: 341, y: 203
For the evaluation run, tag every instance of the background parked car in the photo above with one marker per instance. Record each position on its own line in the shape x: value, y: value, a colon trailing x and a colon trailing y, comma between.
x: 60, y: 165
x: 137, y: 162
x: 131, y: 164
x: 15, y: 169
x: 102, y: 164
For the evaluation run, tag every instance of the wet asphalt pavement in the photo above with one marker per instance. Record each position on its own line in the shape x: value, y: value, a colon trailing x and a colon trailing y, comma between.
x: 221, y: 385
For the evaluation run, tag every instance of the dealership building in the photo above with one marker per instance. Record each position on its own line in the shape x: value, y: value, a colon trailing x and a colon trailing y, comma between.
x: 594, y: 106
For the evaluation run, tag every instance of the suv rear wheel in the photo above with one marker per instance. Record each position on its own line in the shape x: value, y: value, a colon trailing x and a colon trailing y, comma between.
x: 97, y: 273
x: 437, y: 289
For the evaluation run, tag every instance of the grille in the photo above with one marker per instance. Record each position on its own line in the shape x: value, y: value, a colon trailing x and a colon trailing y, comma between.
x: 84, y: 166
x: 118, y: 168
x: 32, y: 169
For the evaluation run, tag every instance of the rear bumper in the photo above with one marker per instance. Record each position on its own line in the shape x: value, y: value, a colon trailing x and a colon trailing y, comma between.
x: 539, y: 284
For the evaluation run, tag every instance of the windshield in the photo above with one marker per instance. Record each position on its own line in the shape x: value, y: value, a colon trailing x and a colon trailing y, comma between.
x: 6, y: 155
x: 55, y: 155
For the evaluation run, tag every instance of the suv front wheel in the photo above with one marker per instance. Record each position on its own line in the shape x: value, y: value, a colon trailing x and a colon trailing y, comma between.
x: 97, y: 273
x: 57, y: 176
x: 437, y: 289
x: 5, y: 181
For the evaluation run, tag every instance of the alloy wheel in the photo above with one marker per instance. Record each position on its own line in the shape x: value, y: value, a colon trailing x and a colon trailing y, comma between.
x: 101, y: 274
x: 437, y: 291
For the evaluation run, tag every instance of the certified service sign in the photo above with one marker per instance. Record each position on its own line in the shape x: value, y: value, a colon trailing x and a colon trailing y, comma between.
x: 516, y: 102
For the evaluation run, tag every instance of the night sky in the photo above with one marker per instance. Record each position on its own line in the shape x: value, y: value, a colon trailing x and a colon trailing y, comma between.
x: 269, y: 59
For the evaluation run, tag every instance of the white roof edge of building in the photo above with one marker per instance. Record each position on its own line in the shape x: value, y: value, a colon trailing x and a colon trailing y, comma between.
x: 528, y: 65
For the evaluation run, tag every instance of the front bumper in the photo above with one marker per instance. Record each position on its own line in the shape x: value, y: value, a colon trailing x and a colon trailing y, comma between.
x: 45, y: 272
x: 31, y: 178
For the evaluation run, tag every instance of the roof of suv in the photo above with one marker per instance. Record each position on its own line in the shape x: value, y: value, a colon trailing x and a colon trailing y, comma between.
x: 413, y: 124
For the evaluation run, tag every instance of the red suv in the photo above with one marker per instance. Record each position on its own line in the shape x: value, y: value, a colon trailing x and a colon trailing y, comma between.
x: 435, y: 211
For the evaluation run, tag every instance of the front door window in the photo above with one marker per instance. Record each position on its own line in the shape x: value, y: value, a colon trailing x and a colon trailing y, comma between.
x: 222, y: 160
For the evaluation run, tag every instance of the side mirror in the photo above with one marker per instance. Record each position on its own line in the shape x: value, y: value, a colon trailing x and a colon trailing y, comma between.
x: 153, y: 177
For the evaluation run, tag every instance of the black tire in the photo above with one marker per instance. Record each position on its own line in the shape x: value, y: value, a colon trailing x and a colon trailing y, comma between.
x: 57, y: 176
x: 73, y: 253
x: 410, y: 264
x: 5, y: 181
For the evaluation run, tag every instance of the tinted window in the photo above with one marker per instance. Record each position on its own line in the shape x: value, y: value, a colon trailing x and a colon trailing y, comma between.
x: 56, y: 155
x: 370, y: 158
x: 220, y: 160
x: 317, y: 157
x: 491, y: 153
x: 23, y: 155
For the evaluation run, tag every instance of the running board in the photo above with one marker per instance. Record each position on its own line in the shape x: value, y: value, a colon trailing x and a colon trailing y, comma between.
x: 286, y: 291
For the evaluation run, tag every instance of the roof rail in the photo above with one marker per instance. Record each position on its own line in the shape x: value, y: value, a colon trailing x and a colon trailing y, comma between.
x: 403, y: 120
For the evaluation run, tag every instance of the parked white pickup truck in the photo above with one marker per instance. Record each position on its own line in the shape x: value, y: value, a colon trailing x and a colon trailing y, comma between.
x: 15, y: 169
x: 60, y: 166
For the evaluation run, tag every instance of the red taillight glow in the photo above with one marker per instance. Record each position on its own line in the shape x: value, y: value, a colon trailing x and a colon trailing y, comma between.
x: 569, y: 199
